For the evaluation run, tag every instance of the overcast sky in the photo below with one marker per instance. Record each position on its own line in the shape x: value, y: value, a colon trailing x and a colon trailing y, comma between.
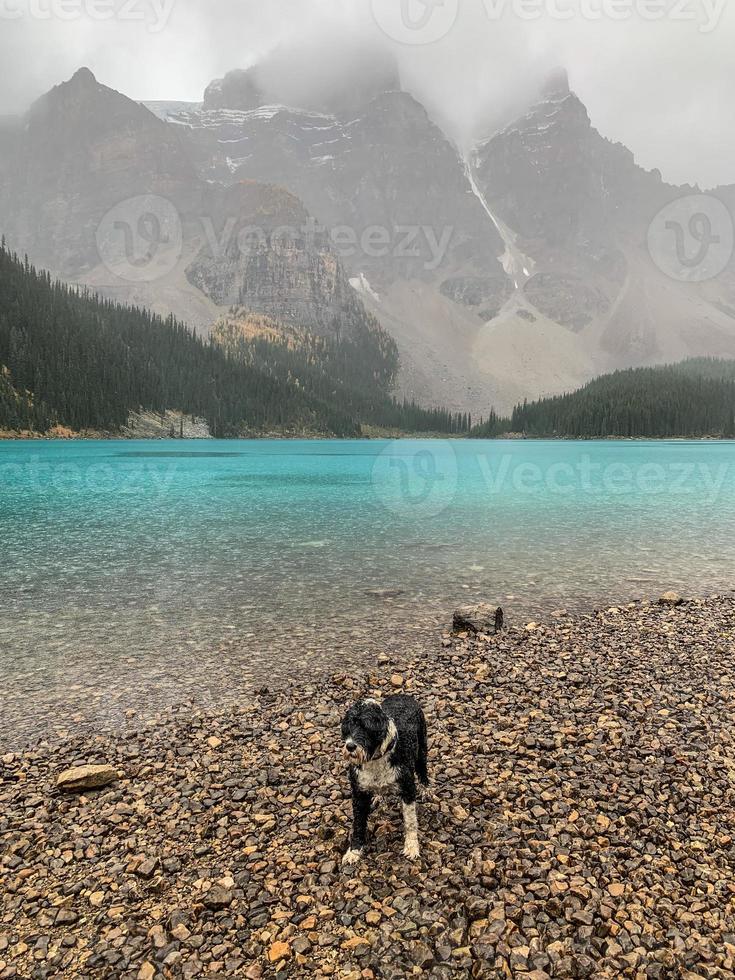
x: 657, y: 75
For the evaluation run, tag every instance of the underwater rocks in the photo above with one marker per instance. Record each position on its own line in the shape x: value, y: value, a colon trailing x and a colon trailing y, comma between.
x: 579, y: 822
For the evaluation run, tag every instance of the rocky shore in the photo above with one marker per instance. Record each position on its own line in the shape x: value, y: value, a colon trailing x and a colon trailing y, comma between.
x: 580, y: 822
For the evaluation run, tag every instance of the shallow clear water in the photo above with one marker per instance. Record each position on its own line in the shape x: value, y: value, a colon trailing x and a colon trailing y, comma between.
x: 136, y: 574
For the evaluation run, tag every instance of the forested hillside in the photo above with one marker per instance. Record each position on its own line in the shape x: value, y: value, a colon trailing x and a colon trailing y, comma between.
x: 17, y: 410
x: 694, y: 398
x: 72, y: 359
x: 354, y: 373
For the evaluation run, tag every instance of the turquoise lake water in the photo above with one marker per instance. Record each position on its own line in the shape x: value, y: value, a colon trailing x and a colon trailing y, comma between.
x: 138, y: 574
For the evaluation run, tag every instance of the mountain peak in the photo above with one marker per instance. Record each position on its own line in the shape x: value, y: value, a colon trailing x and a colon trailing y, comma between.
x: 76, y: 94
x: 556, y: 85
x: 82, y: 77
x: 83, y: 99
x: 239, y: 89
x: 323, y: 83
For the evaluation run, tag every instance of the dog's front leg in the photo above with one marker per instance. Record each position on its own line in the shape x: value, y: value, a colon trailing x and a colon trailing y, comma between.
x: 361, y: 803
x: 410, y: 819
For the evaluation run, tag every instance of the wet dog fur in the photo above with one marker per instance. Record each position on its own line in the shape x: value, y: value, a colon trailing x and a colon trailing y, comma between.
x: 386, y: 747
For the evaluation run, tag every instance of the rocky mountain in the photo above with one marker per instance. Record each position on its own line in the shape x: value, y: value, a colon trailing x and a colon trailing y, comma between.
x: 529, y: 269
x: 578, y: 214
x: 265, y: 256
x: 518, y: 267
x: 101, y: 191
x: 389, y: 169
x: 83, y: 148
x: 417, y: 243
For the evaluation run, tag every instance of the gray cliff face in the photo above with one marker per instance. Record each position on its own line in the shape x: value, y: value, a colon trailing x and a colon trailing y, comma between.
x: 85, y: 148
x: 546, y: 224
x: 544, y: 177
x: 579, y: 209
x: 394, y: 192
x: 282, y: 270
x: 238, y: 90
x: 389, y: 168
x: 485, y: 295
x: 560, y: 185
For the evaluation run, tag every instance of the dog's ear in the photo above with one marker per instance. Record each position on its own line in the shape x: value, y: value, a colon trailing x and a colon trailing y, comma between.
x: 375, y: 718
x: 345, y: 717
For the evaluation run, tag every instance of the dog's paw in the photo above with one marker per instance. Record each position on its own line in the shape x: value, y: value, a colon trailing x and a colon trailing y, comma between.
x: 411, y: 850
x: 351, y: 857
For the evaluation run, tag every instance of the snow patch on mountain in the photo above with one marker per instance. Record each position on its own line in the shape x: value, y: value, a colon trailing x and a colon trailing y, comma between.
x: 515, y: 264
x: 361, y: 285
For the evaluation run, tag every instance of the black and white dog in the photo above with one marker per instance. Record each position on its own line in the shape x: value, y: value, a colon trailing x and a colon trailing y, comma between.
x: 385, y: 745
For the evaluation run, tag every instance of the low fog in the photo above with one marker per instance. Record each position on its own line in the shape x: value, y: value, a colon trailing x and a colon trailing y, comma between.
x: 656, y: 75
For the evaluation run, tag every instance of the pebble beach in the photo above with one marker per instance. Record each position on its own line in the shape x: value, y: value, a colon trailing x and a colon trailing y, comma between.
x: 580, y: 821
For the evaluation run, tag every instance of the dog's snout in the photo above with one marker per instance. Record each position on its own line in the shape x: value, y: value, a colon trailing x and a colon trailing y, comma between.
x: 350, y: 745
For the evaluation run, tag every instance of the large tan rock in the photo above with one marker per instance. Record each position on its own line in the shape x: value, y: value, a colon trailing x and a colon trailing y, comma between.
x: 482, y: 618
x: 670, y: 599
x: 279, y: 951
x: 86, y: 777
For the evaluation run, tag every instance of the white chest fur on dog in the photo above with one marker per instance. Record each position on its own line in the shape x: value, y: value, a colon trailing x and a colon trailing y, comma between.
x: 373, y: 777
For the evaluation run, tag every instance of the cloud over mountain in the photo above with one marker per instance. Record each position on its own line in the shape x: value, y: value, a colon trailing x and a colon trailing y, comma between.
x: 651, y: 72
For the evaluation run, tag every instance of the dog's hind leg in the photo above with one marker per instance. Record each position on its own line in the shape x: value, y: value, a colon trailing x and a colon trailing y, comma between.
x: 422, y: 754
x: 410, y: 819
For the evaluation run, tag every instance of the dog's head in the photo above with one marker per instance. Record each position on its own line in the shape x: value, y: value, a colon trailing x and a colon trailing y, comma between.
x: 364, y: 731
